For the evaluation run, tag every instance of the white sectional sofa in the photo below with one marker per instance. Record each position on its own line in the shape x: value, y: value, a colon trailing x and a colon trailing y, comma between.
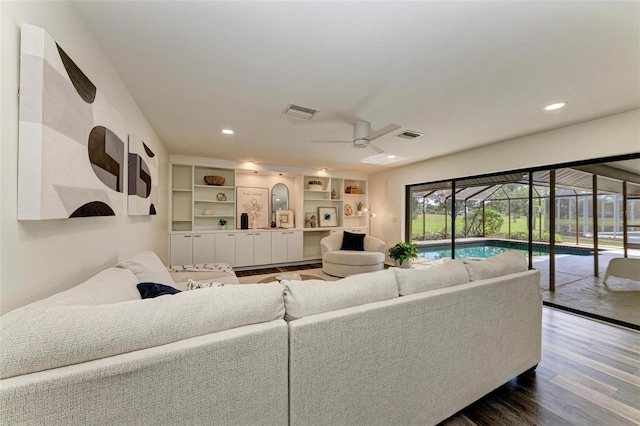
x: 397, y: 347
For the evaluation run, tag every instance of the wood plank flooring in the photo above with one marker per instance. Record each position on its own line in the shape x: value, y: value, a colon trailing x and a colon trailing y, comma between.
x: 589, y: 375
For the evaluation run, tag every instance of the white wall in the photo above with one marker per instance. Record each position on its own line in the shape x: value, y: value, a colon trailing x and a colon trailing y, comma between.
x: 39, y: 258
x: 614, y: 135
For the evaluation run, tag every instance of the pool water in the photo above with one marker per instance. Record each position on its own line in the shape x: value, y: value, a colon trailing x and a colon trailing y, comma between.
x: 490, y: 248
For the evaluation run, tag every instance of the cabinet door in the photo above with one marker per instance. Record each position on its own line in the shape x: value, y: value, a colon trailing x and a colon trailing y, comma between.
x: 203, y: 248
x: 244, y: 249
x: 294, y: 246
x: 261, y: 248
x: 225, y: 248
x: 279, y: 247
x: 181, y: 249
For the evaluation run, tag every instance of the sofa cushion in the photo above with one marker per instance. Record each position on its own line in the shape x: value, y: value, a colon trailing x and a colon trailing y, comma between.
x: 304, y: 298
x: 110, y: 285
x: 42, y: 339
x: 355, y: 258
x: 151, y: 290
x: 502, y: 264
x: 148, y: 267
x: 449, y: 273
x: 351, y: 241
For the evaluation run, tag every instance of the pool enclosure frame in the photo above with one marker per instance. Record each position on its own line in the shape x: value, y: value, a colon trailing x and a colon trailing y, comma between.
x: 571, y: 175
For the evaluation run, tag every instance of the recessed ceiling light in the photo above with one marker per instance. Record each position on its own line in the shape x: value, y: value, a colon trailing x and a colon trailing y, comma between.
x: 382, y: 159
x: 324, y: 169
x: 227, y: 131
x: 255, y: 172
x: 555, y: 106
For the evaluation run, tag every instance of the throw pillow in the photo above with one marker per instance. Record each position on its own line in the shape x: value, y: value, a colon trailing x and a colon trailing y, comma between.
x: 351, y: 241
x: 151, y: 290
x: 194, y: 285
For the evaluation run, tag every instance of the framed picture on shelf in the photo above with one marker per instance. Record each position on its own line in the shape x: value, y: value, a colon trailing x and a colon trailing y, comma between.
x: 254, y: 202
x: 311, y: 220
x: 328, y: 216
x: 284, y: 219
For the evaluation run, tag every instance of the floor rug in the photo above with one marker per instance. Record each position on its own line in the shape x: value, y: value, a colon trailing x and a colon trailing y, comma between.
x: 309, y: 274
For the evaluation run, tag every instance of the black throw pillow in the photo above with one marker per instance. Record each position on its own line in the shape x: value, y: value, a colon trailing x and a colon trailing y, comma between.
x: 150, y: 290
x: 351, y: 241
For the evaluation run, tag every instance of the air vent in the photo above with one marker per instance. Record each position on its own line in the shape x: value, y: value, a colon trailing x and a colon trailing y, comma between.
x: 409, y: 134
x: 300, y: 112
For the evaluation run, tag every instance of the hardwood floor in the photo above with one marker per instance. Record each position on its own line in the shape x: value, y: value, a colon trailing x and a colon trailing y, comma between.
x: 589, y: 375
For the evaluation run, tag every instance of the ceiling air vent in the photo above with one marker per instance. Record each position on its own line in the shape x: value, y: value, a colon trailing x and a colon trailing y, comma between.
x: 300, y: 112
x: 409, y: 134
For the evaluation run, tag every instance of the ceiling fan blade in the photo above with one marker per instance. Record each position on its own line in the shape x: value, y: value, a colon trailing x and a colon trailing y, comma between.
x: 381, y: 132
x: 376, y: 149
x: 331, y: 141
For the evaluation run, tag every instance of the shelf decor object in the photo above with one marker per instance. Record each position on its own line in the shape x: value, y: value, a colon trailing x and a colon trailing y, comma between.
x: 328, y: 216
x: 71, y: 140
x: 255, y: 203
x: 315, y: 185
x: 311, y: 220
x: 284, y: 219
x: 214, y: 180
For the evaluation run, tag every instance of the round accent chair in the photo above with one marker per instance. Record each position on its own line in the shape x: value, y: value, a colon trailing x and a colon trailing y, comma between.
x: 349, y: 254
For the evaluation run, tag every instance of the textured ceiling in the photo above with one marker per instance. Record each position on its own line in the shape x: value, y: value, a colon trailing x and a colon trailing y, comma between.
x: 465, y: 74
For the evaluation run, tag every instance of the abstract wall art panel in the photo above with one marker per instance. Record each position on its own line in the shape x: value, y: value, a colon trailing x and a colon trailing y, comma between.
x: 143, y: 178
x: 71, y: 142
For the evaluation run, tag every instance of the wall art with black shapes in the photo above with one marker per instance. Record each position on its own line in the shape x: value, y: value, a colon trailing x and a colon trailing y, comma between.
x: 71, y: 141
x: 143, y: 178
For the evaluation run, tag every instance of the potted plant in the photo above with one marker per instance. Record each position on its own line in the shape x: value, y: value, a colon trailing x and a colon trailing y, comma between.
x: 359, y: 208
x: 402, y: 253
x: 223, y: 223
x: 315, y: 185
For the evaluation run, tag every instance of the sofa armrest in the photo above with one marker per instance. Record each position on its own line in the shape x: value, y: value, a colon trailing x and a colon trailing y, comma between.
x: 374, y: 244
x: 330, y: 243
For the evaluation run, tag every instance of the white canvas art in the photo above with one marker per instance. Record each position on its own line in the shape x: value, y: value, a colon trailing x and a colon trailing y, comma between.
x: 143, y: 179
x: 71, y: 143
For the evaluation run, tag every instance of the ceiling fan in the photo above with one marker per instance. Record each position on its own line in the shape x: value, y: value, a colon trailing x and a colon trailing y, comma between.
x: 362, y: 135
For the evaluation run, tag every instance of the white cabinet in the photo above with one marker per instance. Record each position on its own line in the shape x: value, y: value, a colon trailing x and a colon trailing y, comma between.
x: 181, y: 251
x: 203, y: 248
x: 286, y: 246
x: 262, y: 248
x: 253, y: 248
x: 294, y: 245
x: 188, y: 249
x: 225, y: 248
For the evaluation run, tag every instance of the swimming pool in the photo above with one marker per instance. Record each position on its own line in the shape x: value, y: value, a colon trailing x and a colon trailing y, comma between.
x: 491, y: 248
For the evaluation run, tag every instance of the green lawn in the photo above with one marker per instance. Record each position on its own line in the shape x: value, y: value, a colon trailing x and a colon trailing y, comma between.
x: 436, y: 222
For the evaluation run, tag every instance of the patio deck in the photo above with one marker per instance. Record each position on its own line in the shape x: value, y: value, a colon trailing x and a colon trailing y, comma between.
x: 578, y: 290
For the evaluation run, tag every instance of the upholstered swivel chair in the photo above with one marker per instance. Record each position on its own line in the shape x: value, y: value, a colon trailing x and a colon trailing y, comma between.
x: 340, y: 263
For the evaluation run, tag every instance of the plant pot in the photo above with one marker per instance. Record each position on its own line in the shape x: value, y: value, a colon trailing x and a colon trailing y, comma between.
x: 223, y: 227
x: 359, y: 213
x: 315, y: 187
x: 405, y: 264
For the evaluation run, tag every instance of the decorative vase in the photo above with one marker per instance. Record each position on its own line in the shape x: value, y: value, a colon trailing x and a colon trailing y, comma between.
x: 207, y: 211
x: 254, y: 224
x: 334, y: 194
x: 244, y: 221
x: 406, y: 264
